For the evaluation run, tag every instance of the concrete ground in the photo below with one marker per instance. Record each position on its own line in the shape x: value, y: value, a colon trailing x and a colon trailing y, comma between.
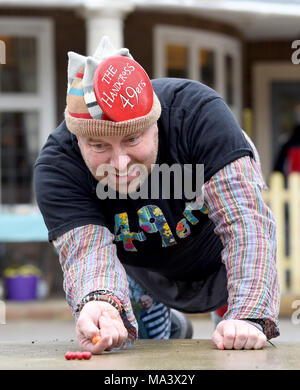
x: 40, y: 344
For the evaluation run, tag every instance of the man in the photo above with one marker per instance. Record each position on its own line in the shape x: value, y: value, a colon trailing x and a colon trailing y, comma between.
x: 194, y: 251
x: 155, y: 317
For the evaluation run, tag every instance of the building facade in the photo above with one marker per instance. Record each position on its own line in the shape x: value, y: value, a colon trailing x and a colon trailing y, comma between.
x: 246, y: 51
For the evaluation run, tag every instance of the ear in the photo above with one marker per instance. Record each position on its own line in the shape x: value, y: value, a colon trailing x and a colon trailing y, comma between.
x: 78, y: 139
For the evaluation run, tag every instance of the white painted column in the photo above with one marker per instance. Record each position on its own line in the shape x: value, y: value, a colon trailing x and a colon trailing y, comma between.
x: 105, y: 18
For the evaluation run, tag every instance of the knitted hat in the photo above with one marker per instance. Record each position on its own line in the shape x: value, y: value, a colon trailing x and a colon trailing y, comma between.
x: 109, y: 94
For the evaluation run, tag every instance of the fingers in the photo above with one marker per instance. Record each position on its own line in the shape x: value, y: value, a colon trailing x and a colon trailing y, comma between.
x: 122, y: 333
x: 238, y: 334
x: 232, y: 338
x: 261, y: 341
x: 86, y: 330
x: 112, y: 332
x: 218, y: 340
x: 110, y: 329
x: 86, y: 327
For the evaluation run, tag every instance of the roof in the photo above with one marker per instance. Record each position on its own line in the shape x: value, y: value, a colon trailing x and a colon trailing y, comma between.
x: 267, y: 19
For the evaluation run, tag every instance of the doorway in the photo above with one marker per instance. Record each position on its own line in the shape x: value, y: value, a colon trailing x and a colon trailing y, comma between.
x: 275, y: 90
x: 285, y: 97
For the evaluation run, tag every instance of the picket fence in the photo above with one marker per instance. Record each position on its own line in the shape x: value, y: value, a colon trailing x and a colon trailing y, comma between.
x: 284, y: 201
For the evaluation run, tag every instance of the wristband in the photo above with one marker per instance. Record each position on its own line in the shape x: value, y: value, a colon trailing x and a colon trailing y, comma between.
x: 102, y: 296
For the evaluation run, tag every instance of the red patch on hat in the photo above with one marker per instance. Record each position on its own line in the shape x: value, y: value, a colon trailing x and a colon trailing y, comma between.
x: 123, y: 89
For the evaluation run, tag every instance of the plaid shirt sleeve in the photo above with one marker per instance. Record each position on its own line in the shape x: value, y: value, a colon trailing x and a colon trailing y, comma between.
x: 246, y: 226
x: 89, y: 262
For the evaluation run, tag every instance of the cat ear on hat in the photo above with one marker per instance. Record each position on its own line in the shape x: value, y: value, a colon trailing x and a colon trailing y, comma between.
x: 106, y: 49
x: 88, y: 88
x: 75, y: 63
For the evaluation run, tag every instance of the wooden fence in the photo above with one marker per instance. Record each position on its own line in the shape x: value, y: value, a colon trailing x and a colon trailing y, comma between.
x: 285, y: 205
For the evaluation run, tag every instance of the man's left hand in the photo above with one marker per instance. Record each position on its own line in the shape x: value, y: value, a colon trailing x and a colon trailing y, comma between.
x: 238, y: 334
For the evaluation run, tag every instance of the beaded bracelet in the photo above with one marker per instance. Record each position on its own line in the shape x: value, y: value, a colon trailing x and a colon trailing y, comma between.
x: 100, y: 296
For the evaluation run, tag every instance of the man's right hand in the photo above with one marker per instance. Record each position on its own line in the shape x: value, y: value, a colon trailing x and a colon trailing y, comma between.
x: 100, y: 319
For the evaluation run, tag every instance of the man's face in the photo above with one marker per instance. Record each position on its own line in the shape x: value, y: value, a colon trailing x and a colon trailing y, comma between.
x: 146, y: 301
x: 120, y: 154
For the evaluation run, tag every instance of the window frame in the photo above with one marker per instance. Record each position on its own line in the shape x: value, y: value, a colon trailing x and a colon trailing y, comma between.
x: 43, y: 101
x: 196, y: 39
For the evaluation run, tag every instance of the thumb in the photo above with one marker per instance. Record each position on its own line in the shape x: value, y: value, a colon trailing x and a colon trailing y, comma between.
x: 87, y: 328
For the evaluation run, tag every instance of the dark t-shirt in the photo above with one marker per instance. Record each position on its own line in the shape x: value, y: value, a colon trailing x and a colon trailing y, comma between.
x: 195, y: 127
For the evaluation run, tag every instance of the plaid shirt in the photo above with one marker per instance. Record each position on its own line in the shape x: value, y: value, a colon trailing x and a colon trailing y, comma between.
x: 246, y: 226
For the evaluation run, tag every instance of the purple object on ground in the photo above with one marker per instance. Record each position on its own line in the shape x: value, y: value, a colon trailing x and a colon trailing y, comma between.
x: 21, y: 288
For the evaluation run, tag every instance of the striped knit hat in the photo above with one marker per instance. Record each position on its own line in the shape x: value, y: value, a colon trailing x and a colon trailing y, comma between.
x: 109, y: 94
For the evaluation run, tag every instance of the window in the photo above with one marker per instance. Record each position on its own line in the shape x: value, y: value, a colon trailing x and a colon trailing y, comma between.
x: 176, y: 61
x: 206, y: 66
x: 27, y: 112
x: 20, y: 70
x: 211, y: 58
x: 19, y: 148
x: 229, y: 87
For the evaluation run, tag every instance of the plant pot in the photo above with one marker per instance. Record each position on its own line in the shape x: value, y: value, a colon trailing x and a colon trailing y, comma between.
x: 21, y: 288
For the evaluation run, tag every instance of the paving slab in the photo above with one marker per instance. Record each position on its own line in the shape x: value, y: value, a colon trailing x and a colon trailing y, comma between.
x: 150, y: 355
x: 40, y: 344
